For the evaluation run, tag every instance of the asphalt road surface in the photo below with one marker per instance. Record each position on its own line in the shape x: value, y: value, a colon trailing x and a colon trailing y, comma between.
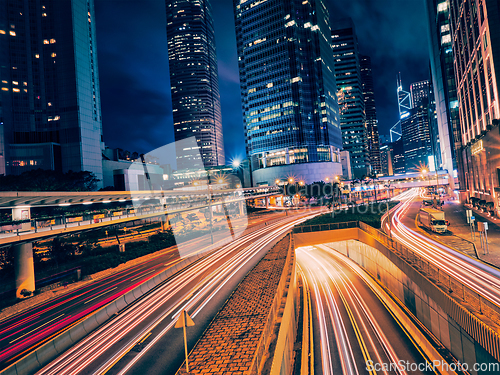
x: 353, y: 331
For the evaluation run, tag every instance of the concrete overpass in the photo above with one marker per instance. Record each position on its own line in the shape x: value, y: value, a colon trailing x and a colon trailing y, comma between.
x: 165, y: 203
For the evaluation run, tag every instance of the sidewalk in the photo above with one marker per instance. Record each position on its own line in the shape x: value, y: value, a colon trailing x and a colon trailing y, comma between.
x: 455, y: 214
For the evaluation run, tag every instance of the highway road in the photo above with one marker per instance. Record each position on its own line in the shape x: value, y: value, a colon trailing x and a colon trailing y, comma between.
x: 478, y: 276
x: 22, y: 333
x: 201, y: 289
x: 354, y: 333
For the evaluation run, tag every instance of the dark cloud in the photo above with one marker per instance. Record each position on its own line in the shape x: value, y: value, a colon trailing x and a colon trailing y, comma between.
x: 133, y: 63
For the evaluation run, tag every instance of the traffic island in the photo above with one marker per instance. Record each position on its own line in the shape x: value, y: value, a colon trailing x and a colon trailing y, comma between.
x: 246, y: 336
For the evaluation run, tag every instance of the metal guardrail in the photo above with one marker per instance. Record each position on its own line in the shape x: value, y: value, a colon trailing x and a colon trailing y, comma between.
x: 455, y: 289
x: 261, y: 352
x: 323, y: 227
x: 459, y: 299
x: 454, y: 286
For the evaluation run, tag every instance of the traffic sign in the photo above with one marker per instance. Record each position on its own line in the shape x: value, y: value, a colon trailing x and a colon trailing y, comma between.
x: 184, y: 320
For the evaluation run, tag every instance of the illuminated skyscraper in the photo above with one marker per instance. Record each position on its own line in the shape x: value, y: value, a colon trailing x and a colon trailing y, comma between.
x: 288, y: 90
x: 370, y: 113
x: 194, y: 83
x: 419, y: 92
x: 475, y: 42
x: 350, y: 92
x: 415, y: 129
x: 444, y: 86
x: 50, y: 109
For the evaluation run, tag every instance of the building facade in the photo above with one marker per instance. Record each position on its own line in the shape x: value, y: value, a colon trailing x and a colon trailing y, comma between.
x: 417, y: 139
x: 475, y: 40
x: 422, y: 96
x: 50, y: 111
x: 444, y: 86
x: 386, y: 159
x: 419, y: 92
x: 370, y: 113
x: 355, y: 135
x: 398, y: 157
x: 288, y: 90
x: 194, y: 83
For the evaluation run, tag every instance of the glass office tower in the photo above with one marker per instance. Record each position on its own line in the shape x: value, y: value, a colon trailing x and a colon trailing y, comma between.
x: 416, y: 131
x: 444, y: 86
x: 351, y: 101
x: 365, y: 64
x: 288, y: 90
x: 50, y: 102
x: 194, y: 83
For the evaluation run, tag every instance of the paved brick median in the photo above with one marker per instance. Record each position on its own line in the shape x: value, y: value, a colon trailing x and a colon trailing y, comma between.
x: 229, y: 344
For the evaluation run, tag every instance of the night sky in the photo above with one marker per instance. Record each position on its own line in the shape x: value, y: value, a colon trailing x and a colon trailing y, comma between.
x: 134, y: 78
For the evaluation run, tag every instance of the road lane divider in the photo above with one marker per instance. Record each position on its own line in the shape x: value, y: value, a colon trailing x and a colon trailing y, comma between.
x: 44, y: 324
x: 99, y: 295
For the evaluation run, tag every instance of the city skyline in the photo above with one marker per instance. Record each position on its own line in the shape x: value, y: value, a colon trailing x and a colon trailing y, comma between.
x: 135, y: 82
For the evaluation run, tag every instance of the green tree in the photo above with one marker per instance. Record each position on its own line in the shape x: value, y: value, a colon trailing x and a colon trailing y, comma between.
x: 48, y: 180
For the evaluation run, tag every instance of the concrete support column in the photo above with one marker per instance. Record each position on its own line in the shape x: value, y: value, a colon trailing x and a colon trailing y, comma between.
x: 267, y: 201
x: 24, y: 268
x: 241, y: 207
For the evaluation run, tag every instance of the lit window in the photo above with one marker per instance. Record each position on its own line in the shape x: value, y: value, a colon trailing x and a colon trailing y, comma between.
x: 291, y: 23
x: 2, y: 31
x: 446, y: 39
x: 12, y: 26
x: 25, y: 83
x: 12, y: 33
x: 296, y: 79
x: 5, y: 89
x: 25, y: 90
x: 45, y: 41
x: 269, y: 85
x: 37, y: 56
x: 15, y: 83
x: 44, y: 14
x: 52, y: 41
x: 15, y: 89
x: 53, y: 54
x: 49, y: 104
x: 442, y: 7
x: 5, y: 82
